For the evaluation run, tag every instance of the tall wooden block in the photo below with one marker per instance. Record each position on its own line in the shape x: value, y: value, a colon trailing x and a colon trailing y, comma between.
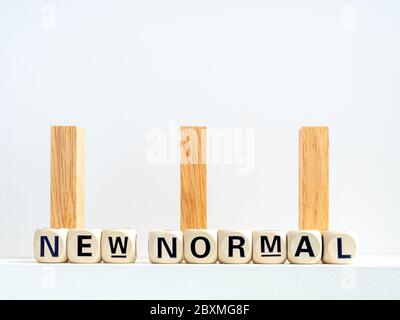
x: 193, y: 178
x: 314, y: 179
x: 67, y: 177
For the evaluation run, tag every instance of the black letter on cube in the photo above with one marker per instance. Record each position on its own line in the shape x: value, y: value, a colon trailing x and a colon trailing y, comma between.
x: 308, y: 249
x: 172, y: 253
x: 45, y: 240
x: 270, y: 246
x: 118, y: 243
x: 206, y: 251
x: 82, y: 245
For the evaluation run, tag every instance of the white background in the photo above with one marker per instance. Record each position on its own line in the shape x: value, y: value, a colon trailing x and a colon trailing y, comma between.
x: 122, y: 68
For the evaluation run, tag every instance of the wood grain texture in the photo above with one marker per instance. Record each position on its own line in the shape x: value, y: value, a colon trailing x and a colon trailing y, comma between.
x: 193, y: 171
x: 314, y: 179
x: 67, y: 177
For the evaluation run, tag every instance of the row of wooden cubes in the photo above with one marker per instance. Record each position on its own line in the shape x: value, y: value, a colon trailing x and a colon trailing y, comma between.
x: 195, y: 246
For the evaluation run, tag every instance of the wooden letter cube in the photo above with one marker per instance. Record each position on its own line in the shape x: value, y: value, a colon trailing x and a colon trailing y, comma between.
x: 200, y: 246
x: 118, y: 245
x: 304, y: 246
x: 269, y: 247
x: 50, y: 245
x: 339, y: 247
x: 84, y: 245
x: 165, y: 246
x: 234, y: 246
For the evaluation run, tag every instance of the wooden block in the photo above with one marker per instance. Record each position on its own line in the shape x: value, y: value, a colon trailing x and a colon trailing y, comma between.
x: 339, y: 247
x: 234, y: 246
x: 50, y: 245
x: 200, y: 246
x: 269, y: 247
x: 118, y: 245
x: 84, y: 245
x: 67, y: 177
x: 165, y: 246
x: 193, y: 170
x: 314, y: 179
x: 304, y: 247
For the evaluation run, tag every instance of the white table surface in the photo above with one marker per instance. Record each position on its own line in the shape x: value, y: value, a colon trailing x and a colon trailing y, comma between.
x: 373, y: 277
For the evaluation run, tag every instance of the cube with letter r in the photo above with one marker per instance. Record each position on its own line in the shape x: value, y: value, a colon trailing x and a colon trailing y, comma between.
x: 234, y: 246
x: 50, y: 245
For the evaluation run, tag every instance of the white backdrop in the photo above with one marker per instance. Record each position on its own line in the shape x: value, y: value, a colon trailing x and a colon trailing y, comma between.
x: 123, y: 68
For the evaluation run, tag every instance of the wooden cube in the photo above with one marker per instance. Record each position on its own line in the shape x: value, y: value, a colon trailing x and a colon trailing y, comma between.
x: 304, y: 246
x: 234, y: 246
x: 84, y: 245
x: 118, y: 245
x: 200, y: 246
x: 50, y: 245
x: 165, y: 246
x: 269, y: 247
x: 339, y: 247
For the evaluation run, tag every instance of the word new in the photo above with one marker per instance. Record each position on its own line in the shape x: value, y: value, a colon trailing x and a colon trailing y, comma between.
x: 195, y: 246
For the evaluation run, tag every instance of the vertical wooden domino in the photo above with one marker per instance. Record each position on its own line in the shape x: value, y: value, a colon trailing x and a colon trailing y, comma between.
x: 67, y: 177
x: 193, y: 176
x: 314, y: 179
